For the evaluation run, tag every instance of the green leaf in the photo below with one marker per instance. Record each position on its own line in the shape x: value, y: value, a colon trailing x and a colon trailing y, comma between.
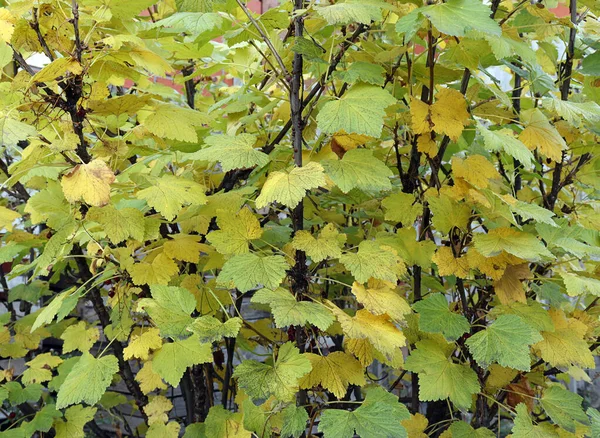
x: 43, y: 420
x: 289, y: 312
x: 578, y: 284
x: 194, y: 5
x: 87, y: 381
x: 517, y: 243
x: 456, y: 17
x: 379, y: 416
x: 191, y: 22
x: 279, y: 379
x: 294, y: 420
x: 532, y: 313
x: 506, y: 342
x: 447, y: 213
x: 595, y: 420
x: 77, y: 417
x: 359, y: 169
x: 210, y: 329
x: 170, y: 309
x: 351, y: 11
x: 505, y: 140
x: 436, y: 317
x: 373, y: 260
x: 574, y: 112
x: 119, y: 225
x: 169, y: 193
x: 361, y: 71
x: 248, y: 271
x: 233, y: 152
x: 460, y: 429
x: 564, y: 407
x: 174, y: 358
x: 524, y: 427
x: 18, y: 394
x: 440, y: 377
x: 359, y: 111
x: 590, y: 65
x: 289, y: 188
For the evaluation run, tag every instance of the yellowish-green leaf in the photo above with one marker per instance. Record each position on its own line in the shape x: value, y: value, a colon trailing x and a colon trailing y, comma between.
x: 289, y: 188
x: 174, y: 358
x: 279, y: 379
x: 328, y: 243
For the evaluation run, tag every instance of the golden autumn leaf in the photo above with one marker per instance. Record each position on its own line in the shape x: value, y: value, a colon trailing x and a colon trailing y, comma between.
x: 88, y: 182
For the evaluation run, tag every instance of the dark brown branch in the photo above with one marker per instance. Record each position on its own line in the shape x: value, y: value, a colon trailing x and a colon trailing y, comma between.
x: 232, y: 177
x: 35, y: 25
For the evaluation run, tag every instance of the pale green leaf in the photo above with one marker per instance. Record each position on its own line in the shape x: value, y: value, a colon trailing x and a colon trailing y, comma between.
x: 278, y: 379
x: 87, y: 381
x: 287, y: 311
x: 359, y: 169
x: 248, y: 271
x: 359, y: 111
x: 440, y: 377
x: 174, y: 358
x: 233, y: 152
x: 168, y: 194
x: 170, y: 308
x: 564, y: 407
x: 457, y: 17
x: 436, y: 317
x: 506, y: 342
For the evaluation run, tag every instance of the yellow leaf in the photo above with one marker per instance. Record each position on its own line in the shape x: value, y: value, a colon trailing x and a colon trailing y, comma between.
x: 184, y: 247
x: 493, y: 267
x: 89, y: 182
x: 7, y: 25
x: 509, y: 288
x: 348, y: 141
x: 420, y: 117
x: 499, y: 377
x: 415, y: 426
x: 378, y: 329
x: 158, y: 271
x: 565, y: 346
x: 426, y: 145
x: 235, y: 232
x: 381, y: 297
x: 7, y: 217
x: 333, y: 372
x: 541, y: 135
x: 361, y: 348
x: 157, y: 410
x: 148, y: 379
x: 141, y: 343
x: 475, y: 169
x: 58, y: 67
x: 448, y: 115
x: 449, y: 265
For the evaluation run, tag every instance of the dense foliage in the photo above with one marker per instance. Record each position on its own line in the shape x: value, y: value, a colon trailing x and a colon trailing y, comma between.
x: 365, y: 216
